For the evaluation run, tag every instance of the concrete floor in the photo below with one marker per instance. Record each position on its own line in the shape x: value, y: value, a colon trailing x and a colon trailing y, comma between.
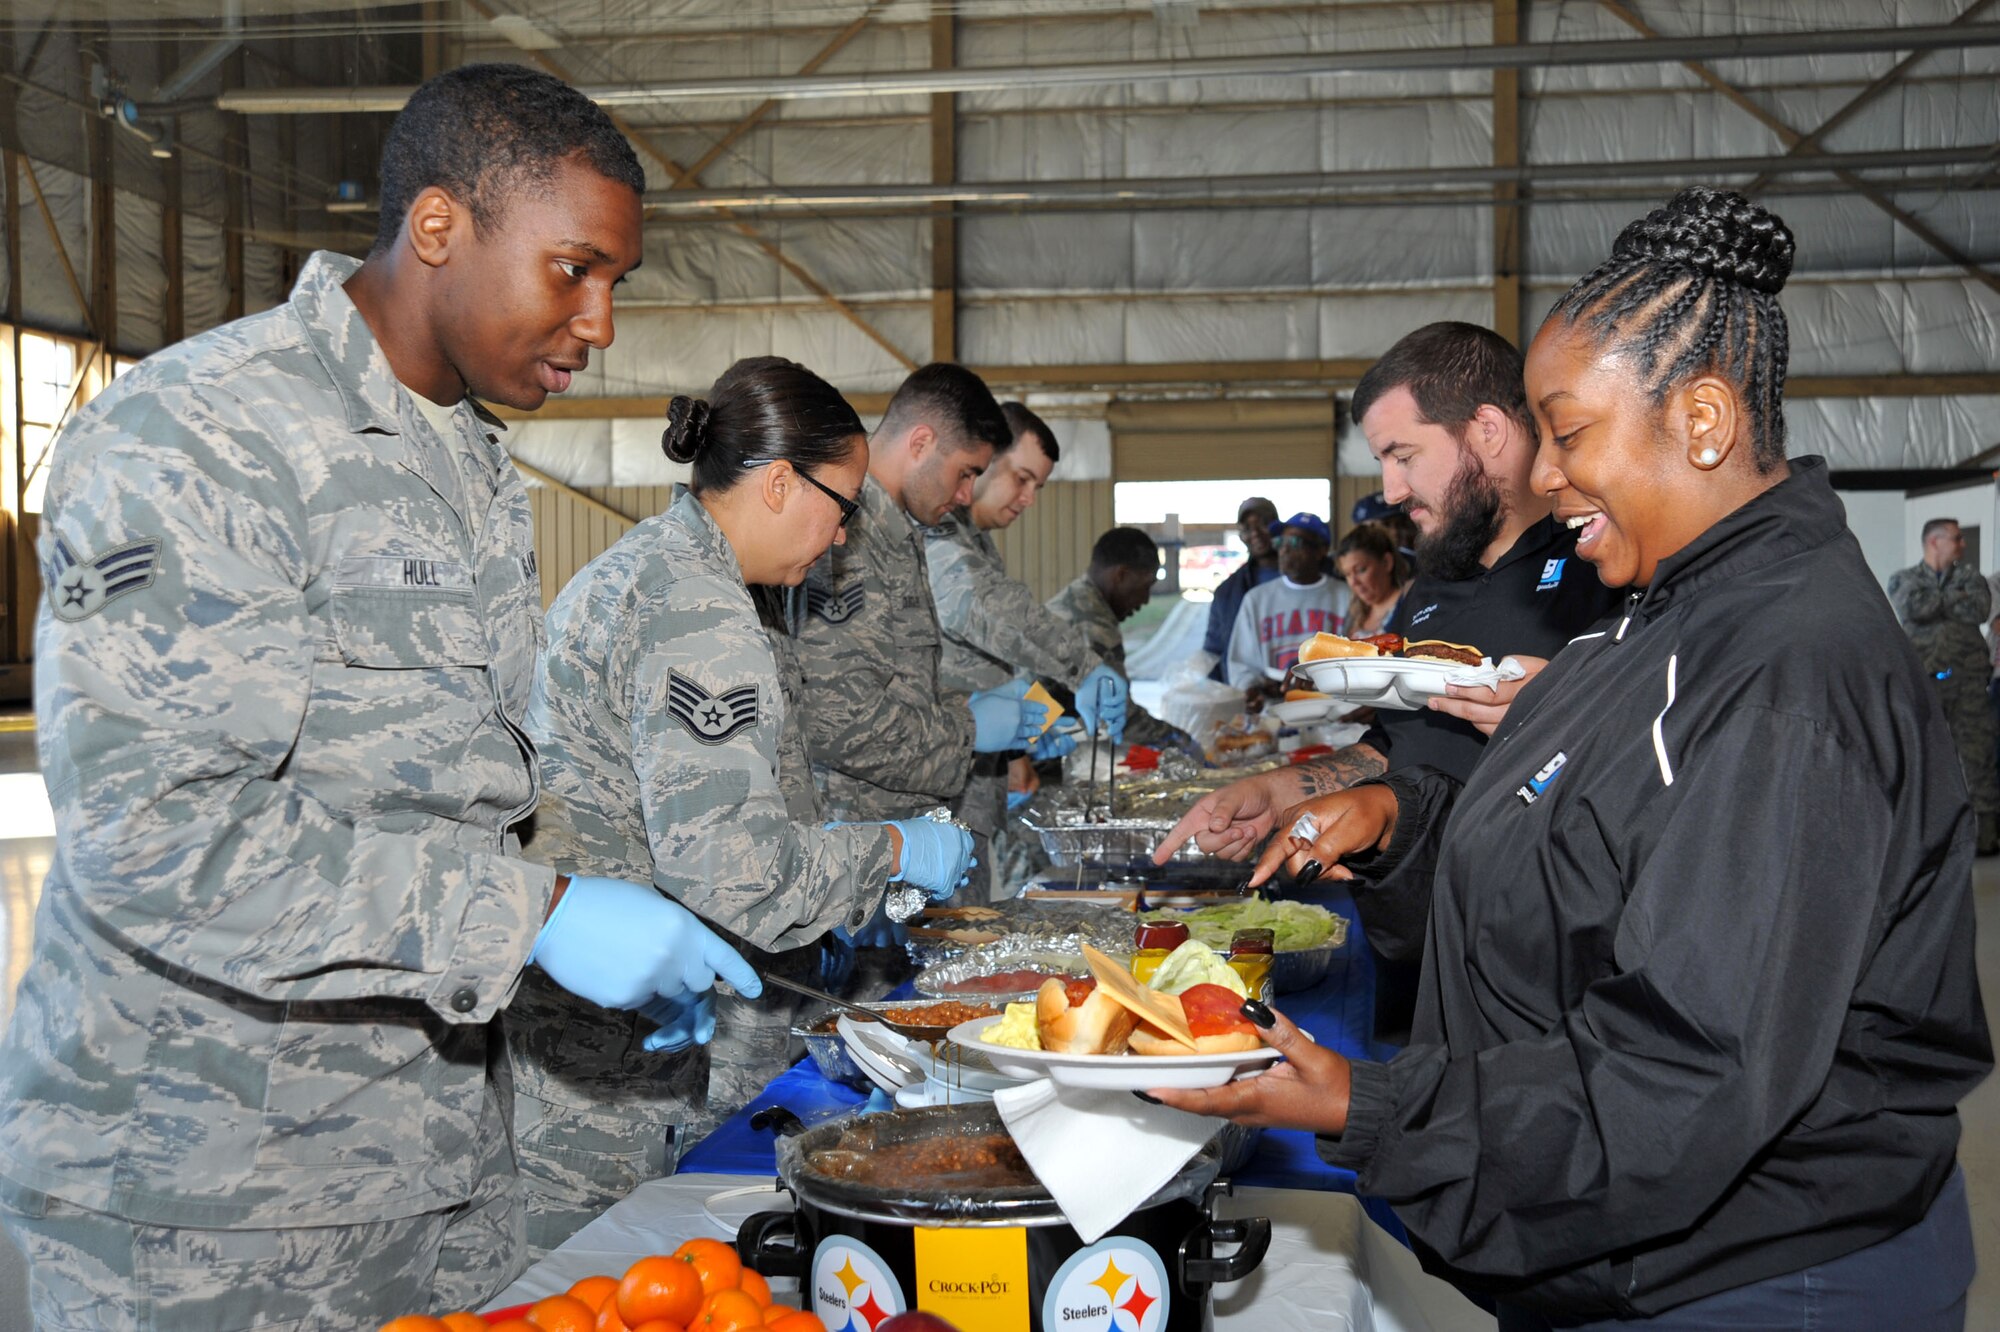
x: 25, y: 859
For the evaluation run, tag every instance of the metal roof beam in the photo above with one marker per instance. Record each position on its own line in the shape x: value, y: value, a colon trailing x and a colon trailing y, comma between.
x: 908, y: 82
x: 1300, y: 187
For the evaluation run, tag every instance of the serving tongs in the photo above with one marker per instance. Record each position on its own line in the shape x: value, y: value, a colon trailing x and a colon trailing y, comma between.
x: 909, y: 1031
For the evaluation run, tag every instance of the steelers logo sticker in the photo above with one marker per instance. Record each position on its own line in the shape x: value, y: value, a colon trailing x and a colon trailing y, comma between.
x: 852, y: 1287
x: 1116, y: 1285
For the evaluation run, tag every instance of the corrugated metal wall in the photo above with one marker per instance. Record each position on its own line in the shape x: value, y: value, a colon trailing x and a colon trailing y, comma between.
x: 570, y: 534
x: 1051, y: 543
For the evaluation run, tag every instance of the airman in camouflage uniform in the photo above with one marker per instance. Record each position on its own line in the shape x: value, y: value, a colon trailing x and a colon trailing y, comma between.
x: 663, y: 731
x: 889, y: 740
x: 1081, y: 604
x: 1943, y: 610
x: 994, y: 629
x: 286, y: 628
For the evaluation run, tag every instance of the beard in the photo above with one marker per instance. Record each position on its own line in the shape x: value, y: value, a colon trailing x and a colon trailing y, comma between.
x: 1469, y: 519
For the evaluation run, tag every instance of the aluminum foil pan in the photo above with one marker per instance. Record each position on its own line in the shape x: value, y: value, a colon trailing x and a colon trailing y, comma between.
x: 993, y: 960
x: 1072, y: 843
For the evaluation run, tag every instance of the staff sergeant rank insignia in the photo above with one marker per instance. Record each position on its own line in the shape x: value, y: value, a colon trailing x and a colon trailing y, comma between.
x: 710, y: 718
x: 78, y: 589
x: 834, y: 607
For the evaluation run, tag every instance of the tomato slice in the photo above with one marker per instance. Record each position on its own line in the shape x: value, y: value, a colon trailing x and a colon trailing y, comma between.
x: 1213, y: 1010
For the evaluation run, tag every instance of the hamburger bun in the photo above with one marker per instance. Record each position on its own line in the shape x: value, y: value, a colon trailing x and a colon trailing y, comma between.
x: 1214, y: 1015
x: 1436, y: 649
x: 1323, y: 647
x: 1094, y: 1024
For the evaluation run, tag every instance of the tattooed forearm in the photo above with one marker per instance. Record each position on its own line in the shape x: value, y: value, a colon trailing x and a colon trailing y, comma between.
x: 1340, y: 770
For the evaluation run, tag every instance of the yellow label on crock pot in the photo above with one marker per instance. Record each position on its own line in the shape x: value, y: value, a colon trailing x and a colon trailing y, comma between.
x: 975, y: 1278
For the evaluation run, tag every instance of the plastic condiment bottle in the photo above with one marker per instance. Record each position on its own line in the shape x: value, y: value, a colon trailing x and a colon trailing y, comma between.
x: 1154, y: 939
x: 1250, y: 956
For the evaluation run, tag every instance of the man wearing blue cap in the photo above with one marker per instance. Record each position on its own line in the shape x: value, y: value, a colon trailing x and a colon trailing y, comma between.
x: 1278, y: 616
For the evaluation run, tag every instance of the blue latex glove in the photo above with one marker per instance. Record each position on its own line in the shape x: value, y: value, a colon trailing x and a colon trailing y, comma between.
x: 1055, y: 743
x: 878, y: 1101
x: 1016, y: 799
x: 623, y: 945
x: 936, y: 856
x: 1100, y: 700
x: 682, y: 1022
x: 836, y: 960
x: 881, y: 932
x: 1003, y: 719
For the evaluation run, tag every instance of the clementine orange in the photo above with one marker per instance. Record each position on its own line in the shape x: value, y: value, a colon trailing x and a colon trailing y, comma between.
x: 797, y: 1322
x: 594, y: 1290
x: 752, y: 1283
x: 513, y: 1325
x: 609, y: 1319
x: 713, y: 1261
x: 774, y: 1311
x: 659, y: 1325
x: 414, y: 1323
x: 659, y: 1287
x: 563, y: 1313
x: 729, y: 1311
x: 464, y: 1322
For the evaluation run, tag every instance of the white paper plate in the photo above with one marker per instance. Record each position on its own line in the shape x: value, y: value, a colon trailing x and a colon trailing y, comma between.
x: 1306, y: 710
x: 1125, y: 1072
x: 1394, y: 682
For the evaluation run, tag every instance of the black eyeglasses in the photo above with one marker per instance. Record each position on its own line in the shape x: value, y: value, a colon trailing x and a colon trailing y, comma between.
x: 848, y: 507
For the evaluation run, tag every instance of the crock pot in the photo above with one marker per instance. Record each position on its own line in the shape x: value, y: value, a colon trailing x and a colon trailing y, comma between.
x: 867, y: 1238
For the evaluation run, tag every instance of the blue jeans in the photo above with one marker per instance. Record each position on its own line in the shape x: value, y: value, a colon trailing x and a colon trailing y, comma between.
x: 1912, y: 1282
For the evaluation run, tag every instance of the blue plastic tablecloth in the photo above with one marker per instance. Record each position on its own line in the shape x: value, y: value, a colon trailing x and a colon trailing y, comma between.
x: 1339, y: 1012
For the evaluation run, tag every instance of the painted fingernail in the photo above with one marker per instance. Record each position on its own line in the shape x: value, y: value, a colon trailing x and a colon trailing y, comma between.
x: 1309, y: 871
x: 1260, y: 1013
x: 1149, y: 1100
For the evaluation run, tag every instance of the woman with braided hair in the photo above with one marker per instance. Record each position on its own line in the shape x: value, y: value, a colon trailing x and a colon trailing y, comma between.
x: 1699, y: 1001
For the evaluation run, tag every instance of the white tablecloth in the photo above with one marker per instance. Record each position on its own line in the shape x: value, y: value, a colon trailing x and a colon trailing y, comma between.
x: 1330, y: 1269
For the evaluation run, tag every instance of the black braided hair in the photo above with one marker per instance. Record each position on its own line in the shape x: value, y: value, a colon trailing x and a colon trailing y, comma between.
x: 1692, y: 288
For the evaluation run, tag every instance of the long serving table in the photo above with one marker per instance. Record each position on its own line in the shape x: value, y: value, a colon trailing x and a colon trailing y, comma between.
x: 1339, y: 1012
x: 1331, y: 1263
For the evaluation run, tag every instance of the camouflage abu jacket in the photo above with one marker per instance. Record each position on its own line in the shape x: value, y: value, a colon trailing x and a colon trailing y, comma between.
x: 277, y: 667
x: 888, y: 738
x: 993, y: 626
x: 1082, y: 605
x: 661, y: 724
x: 1943, y: 617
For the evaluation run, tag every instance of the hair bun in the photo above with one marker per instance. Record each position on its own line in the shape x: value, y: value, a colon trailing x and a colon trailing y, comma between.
x: 1714, y: 232
x: 687, y: 429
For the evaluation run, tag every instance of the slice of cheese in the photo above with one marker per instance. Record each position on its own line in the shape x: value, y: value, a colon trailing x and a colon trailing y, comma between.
x: 1037, y: 694
x: 1150, y: 1005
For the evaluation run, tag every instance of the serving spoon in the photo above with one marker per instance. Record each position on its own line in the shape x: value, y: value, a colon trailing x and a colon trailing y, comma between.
x: 907, y: 1030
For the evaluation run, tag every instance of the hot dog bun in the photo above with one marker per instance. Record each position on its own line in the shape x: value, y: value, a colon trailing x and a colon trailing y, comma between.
x: 1097, y: 1025
x: 1321, y: 647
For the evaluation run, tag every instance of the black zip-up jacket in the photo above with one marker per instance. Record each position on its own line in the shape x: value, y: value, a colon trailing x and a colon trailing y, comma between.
x: 1699, y: 1002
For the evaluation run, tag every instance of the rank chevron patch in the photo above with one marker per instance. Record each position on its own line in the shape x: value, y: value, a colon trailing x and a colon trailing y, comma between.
x: 78, y: 589
x: 834, y: 607
x: 710, y: 718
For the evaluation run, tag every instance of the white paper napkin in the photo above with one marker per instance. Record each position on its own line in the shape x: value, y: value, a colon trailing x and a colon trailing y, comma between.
x: 1099, y: 1153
